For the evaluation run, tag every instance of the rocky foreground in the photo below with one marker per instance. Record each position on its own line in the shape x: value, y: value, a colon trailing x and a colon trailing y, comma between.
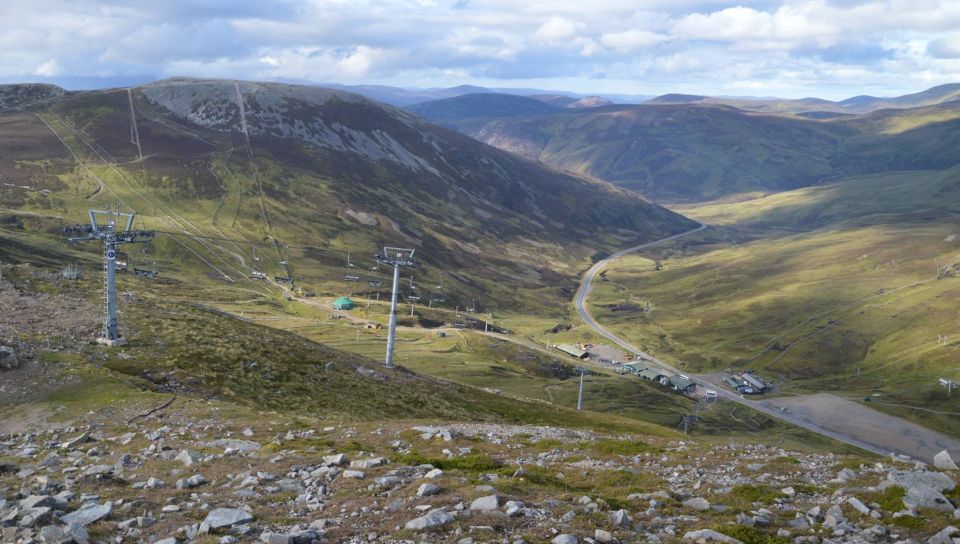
x: 171, y: 477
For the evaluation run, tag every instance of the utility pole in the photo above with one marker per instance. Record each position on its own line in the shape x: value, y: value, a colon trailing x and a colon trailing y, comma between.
x: 111, y: 234
x: 397, y: 257
x: 580, y: 395
x: 949, y: 384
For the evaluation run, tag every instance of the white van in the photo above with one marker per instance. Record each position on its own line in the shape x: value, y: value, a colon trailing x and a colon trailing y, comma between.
x: 710, y: 394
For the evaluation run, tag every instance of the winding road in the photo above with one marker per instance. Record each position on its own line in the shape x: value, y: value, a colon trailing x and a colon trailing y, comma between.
x: 871, y: 433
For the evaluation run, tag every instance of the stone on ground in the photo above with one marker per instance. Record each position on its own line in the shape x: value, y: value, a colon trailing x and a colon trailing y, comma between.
x: 86, y: 516
x: 944, y: 461
x: 227, y: 517
x: 435, y: 518
x: 709, y: 535
x: 490, y: 502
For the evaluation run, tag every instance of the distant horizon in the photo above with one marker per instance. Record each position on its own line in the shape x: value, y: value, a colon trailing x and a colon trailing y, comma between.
x: 830, y: 49
x: 94, y: 84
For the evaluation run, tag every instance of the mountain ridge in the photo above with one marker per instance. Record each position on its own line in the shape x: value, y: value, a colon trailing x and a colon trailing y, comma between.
x: 336, y: 169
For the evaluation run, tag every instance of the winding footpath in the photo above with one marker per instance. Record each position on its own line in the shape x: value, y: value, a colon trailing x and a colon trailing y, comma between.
x: 765, y: 407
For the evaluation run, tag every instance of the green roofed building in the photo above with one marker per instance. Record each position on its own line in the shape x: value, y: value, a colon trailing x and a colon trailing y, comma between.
x: 573, y: 349
x: 343, y: 303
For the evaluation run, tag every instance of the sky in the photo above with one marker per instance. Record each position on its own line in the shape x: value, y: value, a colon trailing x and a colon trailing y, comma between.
x: 789, y: 48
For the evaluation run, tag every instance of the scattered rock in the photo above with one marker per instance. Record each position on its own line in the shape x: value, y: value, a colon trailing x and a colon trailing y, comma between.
x: 99, y: 471
x: 565, y: 539
x: 943, y: 537
x: 924, y: 488
x: 435, y: 518
x: 697, y: 503
x: 235, y: 444
x: 620, y: 519
x: 858, y: 505
x: 8, y: 358
x: 226, y: 517
x: 709, y: 535
x: 335, y: 460
x: 187, y: 457
x: 88, y: 515
x: 603, y: 537
x: 490, y: 502
x: 944, y: 461
x: 54, y: 534
x: 428, y: 490
x: 368, y: 463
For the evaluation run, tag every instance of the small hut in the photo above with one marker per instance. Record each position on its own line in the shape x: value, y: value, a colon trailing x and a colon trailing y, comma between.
x: 343, y: 303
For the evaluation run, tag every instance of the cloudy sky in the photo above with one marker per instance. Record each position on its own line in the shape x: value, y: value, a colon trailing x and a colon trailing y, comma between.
x: 791, y: 48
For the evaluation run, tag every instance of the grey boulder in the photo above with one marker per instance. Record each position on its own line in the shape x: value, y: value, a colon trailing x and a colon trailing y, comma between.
x: 227, y: 517
x: 944, y: 461
x: 428, y: 490
x: 8, y: 358
x: 490, y: 502
x: 435, y: 518
x: 88, y: 515
x: 709, y: 535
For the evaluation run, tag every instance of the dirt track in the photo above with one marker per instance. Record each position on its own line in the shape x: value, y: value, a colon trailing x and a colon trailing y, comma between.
x: 867, y: 425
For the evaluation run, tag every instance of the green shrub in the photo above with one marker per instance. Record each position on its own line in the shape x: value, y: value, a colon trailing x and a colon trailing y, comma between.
x: 808, y: 489
x: 891, y: 498
x: 751, y: 535
x: 627, y: 448
x: 755, y: 493
x: 909, y: 522
x: 473, y: 463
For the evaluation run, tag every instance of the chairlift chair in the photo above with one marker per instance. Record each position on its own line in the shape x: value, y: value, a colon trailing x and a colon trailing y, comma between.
x: 122, y: 261
x: 151, y: 272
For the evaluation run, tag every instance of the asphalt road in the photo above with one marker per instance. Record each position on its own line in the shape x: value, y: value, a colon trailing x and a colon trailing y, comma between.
x: 878, y: 443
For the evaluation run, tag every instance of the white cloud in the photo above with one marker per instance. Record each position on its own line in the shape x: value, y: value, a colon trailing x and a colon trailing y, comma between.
x: 631, y: 40
x: 50, y: 68
x: 797, y: 47
x: 556, y: 29
x: 947, y: 47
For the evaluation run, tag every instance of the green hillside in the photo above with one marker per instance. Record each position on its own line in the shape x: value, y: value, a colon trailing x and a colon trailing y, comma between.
x: 677, y: 152
x: 695, y: 152
x: 843, y: 287
x: 467, y: 110
x: 317, y: 175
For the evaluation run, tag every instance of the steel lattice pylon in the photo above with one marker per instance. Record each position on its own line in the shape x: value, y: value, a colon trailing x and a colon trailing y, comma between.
x: 112, y: 235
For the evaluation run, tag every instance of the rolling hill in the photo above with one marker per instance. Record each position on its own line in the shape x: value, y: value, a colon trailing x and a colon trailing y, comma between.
x: 690, y: 152
x: 472, y: 111
x: 676, y: 152
x: 857, y: 104
x: 308, y: 175
x: 574, y: 103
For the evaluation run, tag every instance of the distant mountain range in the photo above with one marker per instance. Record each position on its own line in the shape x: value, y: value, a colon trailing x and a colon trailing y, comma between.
x: 857, y: 104
x: 398, y: 96
x: 687, y: 148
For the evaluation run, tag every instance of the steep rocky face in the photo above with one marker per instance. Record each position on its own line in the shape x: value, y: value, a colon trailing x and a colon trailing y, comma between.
x: 338, y: 134
x: 28, y: 95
